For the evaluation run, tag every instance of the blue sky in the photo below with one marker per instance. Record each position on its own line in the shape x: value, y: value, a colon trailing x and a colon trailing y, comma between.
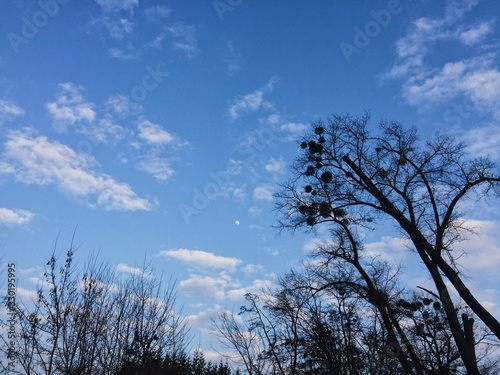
x: 160, y: 130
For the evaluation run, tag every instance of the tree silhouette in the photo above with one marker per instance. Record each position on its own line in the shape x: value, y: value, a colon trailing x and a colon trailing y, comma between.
x: 349, y: 178
x: 90, y: 321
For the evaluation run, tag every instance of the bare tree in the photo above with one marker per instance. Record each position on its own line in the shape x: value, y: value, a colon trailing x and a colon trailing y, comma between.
x: 147, y: 326
x: 308, y: 326
x: 347, y: 177
x: 90, y: 321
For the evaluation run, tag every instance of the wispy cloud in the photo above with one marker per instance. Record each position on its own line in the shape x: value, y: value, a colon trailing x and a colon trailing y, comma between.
x: 130, y: 53
x: 481, y: 249
x: 106, y: 130
x: 204, y: 286
x: 391, y: 249
x: 184, y: 38
x: 275, y: 165
x: 157, y: 13
x: 115, y: 26
x: 11, y: 217
x: 263, y: 193
x: 118, y: 5
x: 9, y: 110
x: 121, y: 106
x: 156, y: 139
x: 476, y: 33
x: 116, y: 18
x: 425, y: 32
x: 70, y: 107
x: 475, y: 77
x: 157, y: 166
x: 153, y: 133
x: 203, y: 260
x: 253, y: 268
x: 253, y: 101
x: 231, y: 60
x: 293, y: 129
x: 257, y: 286
x: 133, y: 270
x: 483, y: 141
x: 33, y: 159
x: 117, y: 22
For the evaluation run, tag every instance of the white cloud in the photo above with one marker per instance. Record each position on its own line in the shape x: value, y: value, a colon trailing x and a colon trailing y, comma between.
x: 70, y: 107
x: 133, y: 270
x: 203, y: 260
x: 482, y: 248
x: 122, y: 106
x: 15, y: 216
x: 202, y: 320
x: 185, y: 38
x: 294, y: 128
x: 32, y: 159
x: 257, y: 286
x: 203, y: 286
x: 153, y: 133
x: 482, y: 86
x: 425, y: 32
x: 472, y: 78
x: 121, y: 54
x: 253, y: 268
x: 388, y: 248
x: 263, y: 193
x: 456, y: 9
x: 132, y: 52
x: 116, y: 26
x: 26, y: 295
x: 153, y: 162
x: 253, y: 101
x: 254, y: 210
x: 275, y: 165
x: 312, y: 244
x: 105, y: 131
x: 483, y: 141
x: 273, y: 119
x: 157, y: 166
x: 155, y: 43
x: 157, y: 13
x: 440, y: 87
x: 9, y: 110
x: 117, y: 5
x: 476, y: 33
x: 231, y: 60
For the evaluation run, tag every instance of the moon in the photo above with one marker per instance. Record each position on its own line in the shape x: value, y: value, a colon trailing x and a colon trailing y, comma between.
x: 237, y: 222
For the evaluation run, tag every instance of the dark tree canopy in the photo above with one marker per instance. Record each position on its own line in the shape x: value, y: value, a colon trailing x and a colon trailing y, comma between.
x: 350, y: 177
